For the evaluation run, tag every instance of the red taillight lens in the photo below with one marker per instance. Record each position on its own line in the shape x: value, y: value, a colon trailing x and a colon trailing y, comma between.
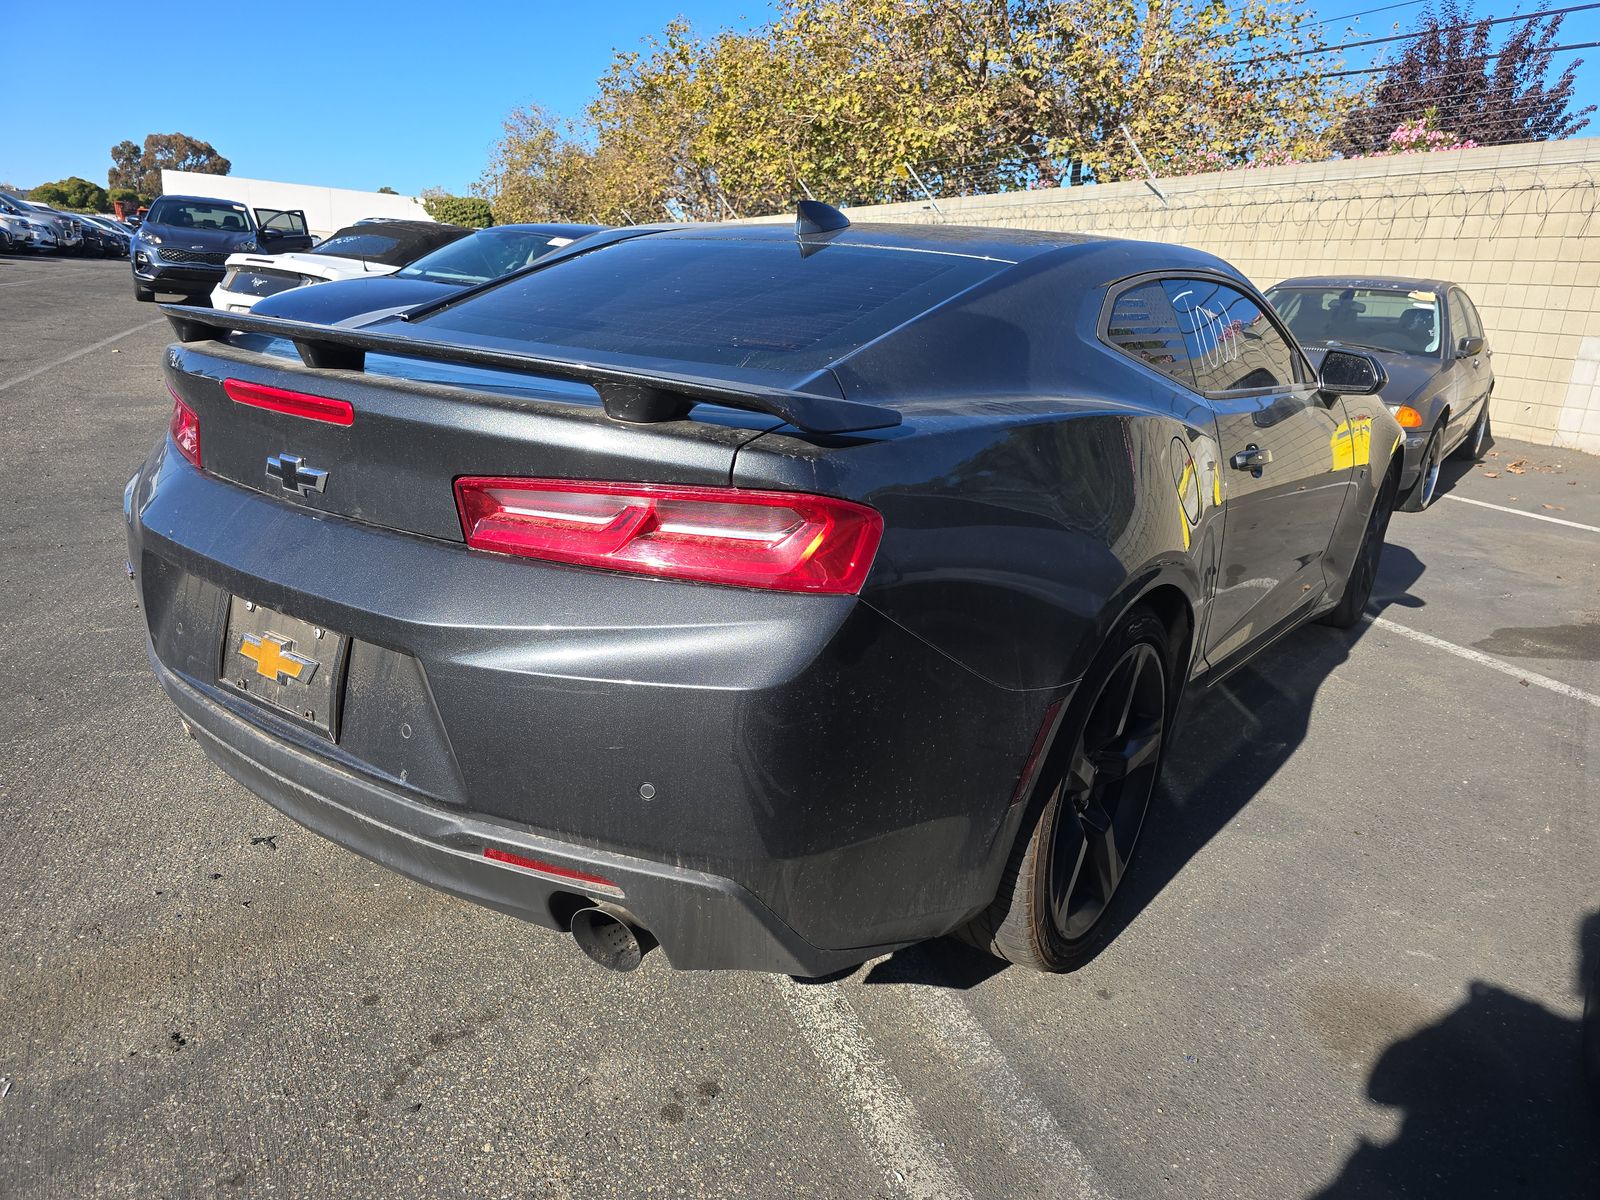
x: 781, y: 540
x: 296, y: 404
x: 184, y: 429
x: 534, y: 864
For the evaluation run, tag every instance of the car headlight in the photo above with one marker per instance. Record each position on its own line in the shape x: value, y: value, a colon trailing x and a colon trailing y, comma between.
x: 248, y: 247
x: 1408, y: 417
x: 153, y: 238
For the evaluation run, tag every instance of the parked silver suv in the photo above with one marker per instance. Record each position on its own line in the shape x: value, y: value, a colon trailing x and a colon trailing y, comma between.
x: 68, y: 234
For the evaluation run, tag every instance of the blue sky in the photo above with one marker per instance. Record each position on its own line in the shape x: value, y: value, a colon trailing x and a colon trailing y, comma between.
x: 373, y: 95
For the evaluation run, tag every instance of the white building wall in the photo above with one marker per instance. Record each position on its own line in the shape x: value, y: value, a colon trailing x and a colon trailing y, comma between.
x: 326, y: 208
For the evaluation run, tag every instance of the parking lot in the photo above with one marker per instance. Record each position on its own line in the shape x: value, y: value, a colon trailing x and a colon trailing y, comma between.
x: 1349, y: 963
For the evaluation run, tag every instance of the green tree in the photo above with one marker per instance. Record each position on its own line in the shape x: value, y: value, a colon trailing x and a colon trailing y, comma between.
x: 73, y: 192
x: 387, y: 191
x: 471, y: 211
x: 139, y: 167
x: 844, y: 99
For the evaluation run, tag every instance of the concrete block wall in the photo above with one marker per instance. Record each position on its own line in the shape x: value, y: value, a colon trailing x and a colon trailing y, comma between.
x: 1517, y: 226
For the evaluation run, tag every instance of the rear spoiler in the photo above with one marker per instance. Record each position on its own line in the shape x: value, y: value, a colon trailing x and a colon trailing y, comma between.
x: 642, y: 397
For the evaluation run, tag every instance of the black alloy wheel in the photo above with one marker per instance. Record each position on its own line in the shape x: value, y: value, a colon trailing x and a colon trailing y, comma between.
x: 1100, y: 803
x: 1364, y: 570
x: 1069, y: 863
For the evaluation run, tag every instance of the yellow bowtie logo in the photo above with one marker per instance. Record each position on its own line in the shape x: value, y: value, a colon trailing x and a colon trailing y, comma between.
x: 275, y: 658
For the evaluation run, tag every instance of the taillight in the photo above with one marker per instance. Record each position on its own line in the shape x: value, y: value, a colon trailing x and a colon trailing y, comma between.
x: 782, y: 540
x: 295, y: 404
x: 184, y: 428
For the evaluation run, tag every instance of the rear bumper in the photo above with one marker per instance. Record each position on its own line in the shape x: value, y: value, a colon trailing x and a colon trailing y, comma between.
x: 823, y: 786
x: 225, y: 301
x: 702, y: 921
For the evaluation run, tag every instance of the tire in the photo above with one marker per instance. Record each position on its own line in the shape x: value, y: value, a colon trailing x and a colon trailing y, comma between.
x: 1422, y: 491
x: 1088, y: 808
x: 1364, y: 569
x: 1477, y: 442
x: 143, y: 294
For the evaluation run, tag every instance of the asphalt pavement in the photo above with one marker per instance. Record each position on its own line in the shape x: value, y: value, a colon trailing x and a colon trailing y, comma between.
x: 1348, y: 964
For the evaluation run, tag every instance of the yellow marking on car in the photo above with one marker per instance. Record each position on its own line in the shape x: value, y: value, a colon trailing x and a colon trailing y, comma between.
x: 1351, y: 443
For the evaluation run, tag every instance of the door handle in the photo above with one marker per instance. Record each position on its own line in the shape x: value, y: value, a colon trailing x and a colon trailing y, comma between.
x: 1252, y: 458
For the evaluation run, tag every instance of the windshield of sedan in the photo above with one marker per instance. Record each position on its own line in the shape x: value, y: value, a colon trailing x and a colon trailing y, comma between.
x: 198, y: 214
x: 760, y: 304
x: 1395, y: 319
x: 487, y: 254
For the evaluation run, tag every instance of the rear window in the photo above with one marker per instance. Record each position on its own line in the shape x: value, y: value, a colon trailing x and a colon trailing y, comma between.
x: 357, y: 245
x: 762, y: 305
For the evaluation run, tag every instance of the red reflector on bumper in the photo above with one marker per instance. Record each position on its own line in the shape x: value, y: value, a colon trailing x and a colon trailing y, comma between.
x: 1035, y: 760
x: 295, y: 404
x: 534, y: 864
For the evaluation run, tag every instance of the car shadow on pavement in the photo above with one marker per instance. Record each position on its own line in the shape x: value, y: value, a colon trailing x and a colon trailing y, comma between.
x: 1232, y: 739
x: 1451, y: 472
x: 1493, y: 1102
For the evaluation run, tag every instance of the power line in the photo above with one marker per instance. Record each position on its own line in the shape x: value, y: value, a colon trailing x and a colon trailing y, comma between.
x: 1416, y: 33
x: 1366, y: 12
x: 1385, y: 69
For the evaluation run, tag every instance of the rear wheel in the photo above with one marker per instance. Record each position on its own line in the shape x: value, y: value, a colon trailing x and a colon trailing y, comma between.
x: 1422, y: 491
x: 1069, y: 863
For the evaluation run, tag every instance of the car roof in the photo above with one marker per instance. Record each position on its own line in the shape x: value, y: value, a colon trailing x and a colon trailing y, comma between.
x: 553, y: 228
x: 198, y: 200
x: 1397, y: 283
x: 1001, y: 243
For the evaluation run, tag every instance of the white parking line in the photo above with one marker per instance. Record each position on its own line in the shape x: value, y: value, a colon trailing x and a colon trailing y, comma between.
x: 1042, y: 1142
x: 1494, y: 664
x: 878, y: 1106
x: 50, y: 366
x: 1517, y: 512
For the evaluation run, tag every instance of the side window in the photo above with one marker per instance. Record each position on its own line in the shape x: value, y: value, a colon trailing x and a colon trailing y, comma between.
x: 278, y: 221
x: 1470, y: 326
x: 1143, y: 326
x: 1231, y: 343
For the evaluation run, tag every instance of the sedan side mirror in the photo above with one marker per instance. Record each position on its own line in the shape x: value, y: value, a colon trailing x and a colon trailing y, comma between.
x: 1351, y: 373
x: 1469, y: 347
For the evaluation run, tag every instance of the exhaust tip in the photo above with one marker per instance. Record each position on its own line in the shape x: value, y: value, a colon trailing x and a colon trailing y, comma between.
x: 616, y: 944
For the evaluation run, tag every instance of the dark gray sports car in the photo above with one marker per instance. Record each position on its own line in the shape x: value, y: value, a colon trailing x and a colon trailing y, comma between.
x: 1428, y: 336
x: 783, y: 595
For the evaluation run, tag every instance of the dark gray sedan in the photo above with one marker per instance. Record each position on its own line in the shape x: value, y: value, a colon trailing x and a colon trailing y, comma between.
x: 1428, y: 335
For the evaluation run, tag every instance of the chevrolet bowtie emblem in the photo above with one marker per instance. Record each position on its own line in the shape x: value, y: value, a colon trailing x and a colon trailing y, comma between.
x: 275, y: 658
x: 291, y: 471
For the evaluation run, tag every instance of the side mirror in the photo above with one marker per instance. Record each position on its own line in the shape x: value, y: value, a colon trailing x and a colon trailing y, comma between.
x: 1469, y: 347
x: 1351, y: 373
x: 134, y: 222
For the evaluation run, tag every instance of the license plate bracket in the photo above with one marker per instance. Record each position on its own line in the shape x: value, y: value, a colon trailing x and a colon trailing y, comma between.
x: 291, y: 667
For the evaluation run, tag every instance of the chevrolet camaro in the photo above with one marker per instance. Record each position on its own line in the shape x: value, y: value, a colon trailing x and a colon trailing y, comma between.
x: 780, y: 595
